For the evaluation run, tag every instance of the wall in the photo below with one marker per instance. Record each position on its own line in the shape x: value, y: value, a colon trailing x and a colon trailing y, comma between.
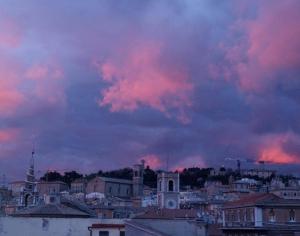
x: 51, y: 187
x: 118, y: 189
x: 281, y: 214
x: 95, y: 185
x: 25, y: 226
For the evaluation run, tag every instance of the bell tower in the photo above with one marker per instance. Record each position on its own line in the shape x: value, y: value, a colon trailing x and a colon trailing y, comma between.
x: 168, y: 190
x: 29, y: 194
x: 138, y: 179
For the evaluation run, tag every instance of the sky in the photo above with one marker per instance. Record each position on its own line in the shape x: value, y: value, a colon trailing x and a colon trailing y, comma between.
x: 103, y: 84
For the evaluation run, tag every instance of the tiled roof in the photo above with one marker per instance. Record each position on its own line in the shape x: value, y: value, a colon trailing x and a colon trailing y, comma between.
x: 52, y: 182
x: 51, y: 210
x: 113, y: 180
x: 80, y: 180
x: 257, y: 199
x: 156, y: 213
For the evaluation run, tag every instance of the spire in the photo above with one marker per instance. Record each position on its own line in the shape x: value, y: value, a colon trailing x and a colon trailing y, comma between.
x: 32, y: 159
x: 30, y: 173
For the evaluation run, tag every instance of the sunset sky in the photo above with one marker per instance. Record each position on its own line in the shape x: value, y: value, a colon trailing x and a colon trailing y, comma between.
x: 102, y: 84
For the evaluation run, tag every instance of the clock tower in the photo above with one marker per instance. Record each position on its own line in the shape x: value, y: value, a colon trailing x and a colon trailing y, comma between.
x: 168, y: 190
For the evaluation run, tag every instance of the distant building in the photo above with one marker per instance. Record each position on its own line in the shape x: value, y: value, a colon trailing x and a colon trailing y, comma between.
x: 138, y: 179
x: 51, y: 187
x: 79, y: 186
x: 262, y: 173
x: 123, y: 188
x: 261, y: 214
x: 110, y: 187
x: 16, y: 187
x: 287, y: 193
x: 5, y: 195
x: 168, y: 190
x: 246, y: 185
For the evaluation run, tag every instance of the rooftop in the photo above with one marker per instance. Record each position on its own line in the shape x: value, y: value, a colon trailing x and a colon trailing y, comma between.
x: 51, y: 210
x: 168, y: 214
x: 114, y: 180
x: 262, y: 199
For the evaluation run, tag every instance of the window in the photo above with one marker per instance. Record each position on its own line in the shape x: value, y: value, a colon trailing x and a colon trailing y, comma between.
x: 52, y: 199
x: 122, y: 233
x: 272, y: 215
x: 160, y: 185
x: 171, y: 186
x: 171, y: 204
x: 292, y: 216
x: 103, y: 233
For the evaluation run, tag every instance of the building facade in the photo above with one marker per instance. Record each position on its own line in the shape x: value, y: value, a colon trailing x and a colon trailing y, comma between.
x: 261, y: 214
x: 51, y: 187
x: 78, y: 186
x: 110, y: 187
x: 138, y: 179
x: 168, y: 194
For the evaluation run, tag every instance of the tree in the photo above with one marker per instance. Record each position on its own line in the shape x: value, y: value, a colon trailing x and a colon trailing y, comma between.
x: 52, y: 176
x: 69, y: 177
x: 150, y: 177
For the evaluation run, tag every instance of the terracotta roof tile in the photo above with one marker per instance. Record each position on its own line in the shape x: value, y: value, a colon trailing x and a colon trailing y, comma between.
x: 156, y: 213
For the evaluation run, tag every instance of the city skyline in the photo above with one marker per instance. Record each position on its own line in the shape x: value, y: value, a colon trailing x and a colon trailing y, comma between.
x: 105, y: 84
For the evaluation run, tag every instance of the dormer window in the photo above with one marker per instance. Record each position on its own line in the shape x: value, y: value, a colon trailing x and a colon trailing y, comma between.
x: 272, y: 215
x: 292, y: 216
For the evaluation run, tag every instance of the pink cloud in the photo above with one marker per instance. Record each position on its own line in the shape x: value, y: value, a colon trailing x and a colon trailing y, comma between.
x: 152, y: 160
x: 143, y: 78
x: 270, y: 43
x: 47, y: 82
x: 39, y: 72
x: 9, y: 101
x: 7, y: 135
x: 10, y: 32
x: 273, y: 149
x: 10, y: 95
x: 275, y: 35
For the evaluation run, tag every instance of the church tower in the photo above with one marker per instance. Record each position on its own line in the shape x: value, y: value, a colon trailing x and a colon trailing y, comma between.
x: 138, y: 179
x: 29, y: 194
x: 168, y: 190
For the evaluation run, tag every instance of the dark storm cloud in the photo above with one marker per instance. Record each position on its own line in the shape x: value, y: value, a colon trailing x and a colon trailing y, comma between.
x: 100, y: 85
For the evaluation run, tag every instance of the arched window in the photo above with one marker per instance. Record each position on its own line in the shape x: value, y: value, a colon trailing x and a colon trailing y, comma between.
x: 171, y: 186
x: 292, y: 216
